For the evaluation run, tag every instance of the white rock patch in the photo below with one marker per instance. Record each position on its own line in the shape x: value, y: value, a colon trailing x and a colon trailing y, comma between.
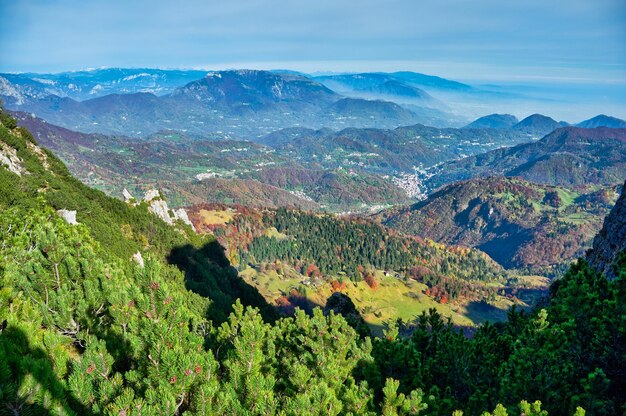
x: 9, y: 158
x: 181, y: 214
x: 138, y: 258
x: 68, y: 216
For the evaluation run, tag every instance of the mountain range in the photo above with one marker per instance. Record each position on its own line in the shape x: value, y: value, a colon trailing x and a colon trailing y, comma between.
x: 540, y: 124
x: 567, y: 156
x: 108, y: 308
x: 88, y: 84
x: 249, y: 103
x: 388, y: 151
x: 242, y: 103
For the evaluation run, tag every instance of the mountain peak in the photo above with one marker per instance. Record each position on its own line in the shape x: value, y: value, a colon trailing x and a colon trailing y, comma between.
x: 538, y: 124
x: 602, y: 120
x: 255, y: 88
x: 494, y: 121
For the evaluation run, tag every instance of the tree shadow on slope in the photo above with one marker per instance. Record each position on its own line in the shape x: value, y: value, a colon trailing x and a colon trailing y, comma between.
x: 480, y: 312
x: 209, y: 273
x: 503, y: 249
x: 19, y: 393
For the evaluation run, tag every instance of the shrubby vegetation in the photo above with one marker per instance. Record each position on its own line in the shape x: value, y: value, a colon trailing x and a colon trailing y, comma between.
x: 85, y: 330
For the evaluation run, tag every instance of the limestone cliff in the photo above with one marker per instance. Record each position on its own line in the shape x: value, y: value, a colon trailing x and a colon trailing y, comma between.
x: 158, y: 206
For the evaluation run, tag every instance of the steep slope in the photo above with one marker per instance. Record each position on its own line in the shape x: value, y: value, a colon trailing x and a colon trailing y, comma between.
x: 494, y: 121
x: 603, y: 121
x: 17, y: 89
x: 32, y: 178
x: 519, y: 224
x: 568, y: 156
x: 610, y: 243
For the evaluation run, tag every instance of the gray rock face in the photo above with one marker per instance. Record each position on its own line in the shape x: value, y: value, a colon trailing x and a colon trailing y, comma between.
x: 9, y: 158
x: 181, y: 214
x: 151, y: 194
x: 68, y: 216
x: 159, y: 208
x: 127, y: 196
x: 138, y: 258
x: 611, y: 241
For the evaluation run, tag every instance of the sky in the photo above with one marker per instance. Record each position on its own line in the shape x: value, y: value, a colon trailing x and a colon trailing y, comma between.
x: 575, y: 41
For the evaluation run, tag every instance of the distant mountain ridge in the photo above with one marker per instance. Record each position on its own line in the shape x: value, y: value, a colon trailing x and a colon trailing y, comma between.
x: 240, y: 103
x: 538, y: 124
x: 518, y: 223
x: 66, y: 99
x: 602, y: 120
x: 567, y: 156
x: 376, y: 83
x: 87, y: 84
x: 494, y: 121
x: 255, y: 89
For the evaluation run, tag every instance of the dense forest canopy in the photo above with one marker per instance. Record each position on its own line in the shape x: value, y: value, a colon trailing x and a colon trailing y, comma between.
x: 86, y: 330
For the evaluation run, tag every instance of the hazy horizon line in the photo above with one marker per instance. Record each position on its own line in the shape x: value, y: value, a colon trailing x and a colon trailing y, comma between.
x: 321, y: 71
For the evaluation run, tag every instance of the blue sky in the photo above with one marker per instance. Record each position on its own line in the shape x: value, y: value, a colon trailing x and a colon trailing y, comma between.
x: 493, y: 40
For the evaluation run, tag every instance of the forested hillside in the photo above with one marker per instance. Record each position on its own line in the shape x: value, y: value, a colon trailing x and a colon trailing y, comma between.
x: 520, y: 224
x: 349, y: 170
x: 298, y: 259
x: 568, y: 156
x: 86, y: 330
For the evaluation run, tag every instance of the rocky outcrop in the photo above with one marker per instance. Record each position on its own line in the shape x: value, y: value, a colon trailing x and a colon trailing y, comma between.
x: 181, y: 215
x: 41, y: 155
x: 68, y: 216
x: 160, y: 209
x: 151, y: 195
x: 128, y: 197
x: 138, y: 258
x: 611, y: 241
x: 158, y: 206
x: 9, y: 158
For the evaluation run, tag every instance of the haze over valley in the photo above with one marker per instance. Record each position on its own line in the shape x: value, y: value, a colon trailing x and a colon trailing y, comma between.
x: 307, y: 208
